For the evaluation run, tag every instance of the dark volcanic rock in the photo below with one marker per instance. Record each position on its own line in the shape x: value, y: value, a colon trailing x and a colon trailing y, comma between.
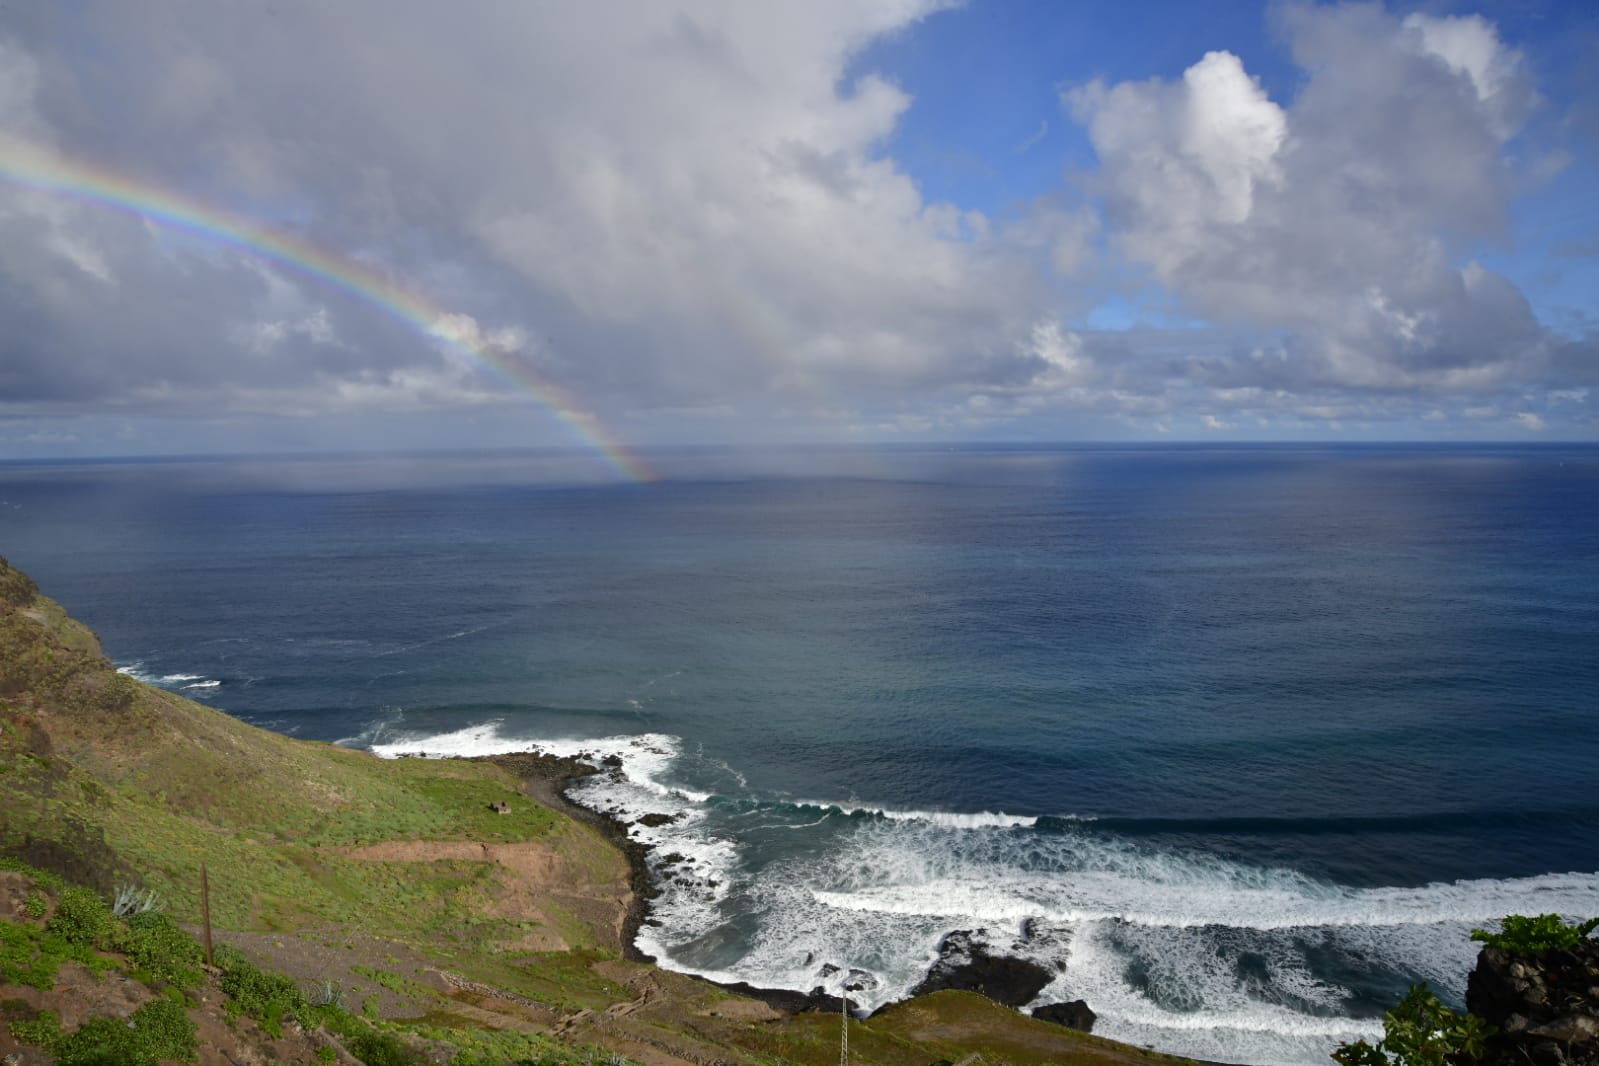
x: 1545, y: 1005
x: 1073, y: 1015
x: 789, y: 1001
x: 966, y: 964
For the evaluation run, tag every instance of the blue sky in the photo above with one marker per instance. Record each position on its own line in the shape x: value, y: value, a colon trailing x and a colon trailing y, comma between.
x: 830, y: 222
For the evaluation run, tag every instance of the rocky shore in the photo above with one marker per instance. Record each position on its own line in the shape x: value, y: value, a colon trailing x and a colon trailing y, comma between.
x: 1544, y: 1006
x: 965, y: 963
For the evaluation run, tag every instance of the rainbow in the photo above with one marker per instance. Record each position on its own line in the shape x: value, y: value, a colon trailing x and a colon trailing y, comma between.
x: 31, y: 167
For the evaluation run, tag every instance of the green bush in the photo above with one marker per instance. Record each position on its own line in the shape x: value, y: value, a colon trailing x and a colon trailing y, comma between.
x: 1520, y: 934
x: 30, y: 955
x: 37, y: 905
x: 160, y: 1029
x: 82, y: 917
x: 256, y: 993
x: 43, y: 1031
x: 157, y: 947
x: 1421, y: 1031
x: 377, y: 1048
x: 29, y: 959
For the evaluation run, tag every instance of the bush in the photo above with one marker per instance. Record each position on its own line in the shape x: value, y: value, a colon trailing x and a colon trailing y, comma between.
x: 1546, y: 932
x: 376, y: 1048
x: 83, y: 918
x: 1421, y: 1031
x: 43, y: 1031
x: 158, y: 1030
x: 156, y: 946
x: 256, y: 993
x: 29, y: 959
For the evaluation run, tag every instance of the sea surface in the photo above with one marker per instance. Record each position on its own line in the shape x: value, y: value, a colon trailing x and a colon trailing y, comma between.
x: 1238, y: 742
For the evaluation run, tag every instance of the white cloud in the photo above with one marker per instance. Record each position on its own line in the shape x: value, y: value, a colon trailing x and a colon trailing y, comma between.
x: 1335, y: 219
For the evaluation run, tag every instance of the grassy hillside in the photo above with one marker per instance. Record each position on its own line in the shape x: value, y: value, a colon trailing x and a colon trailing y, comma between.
x: 472, y: 933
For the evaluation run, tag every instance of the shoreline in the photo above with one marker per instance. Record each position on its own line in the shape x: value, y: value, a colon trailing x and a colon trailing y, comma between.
x: 546, y: 778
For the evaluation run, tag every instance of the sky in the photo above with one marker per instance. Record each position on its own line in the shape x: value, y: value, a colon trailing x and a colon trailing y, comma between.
x: 383, y: 224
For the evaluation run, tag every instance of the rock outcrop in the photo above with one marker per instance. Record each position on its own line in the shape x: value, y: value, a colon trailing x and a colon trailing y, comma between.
x: 1545, y: 1005
x: 1073, y: 1015
x: 966, y: 963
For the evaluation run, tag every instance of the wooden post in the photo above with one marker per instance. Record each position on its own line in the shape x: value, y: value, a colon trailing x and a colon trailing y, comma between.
x: 205, y: 915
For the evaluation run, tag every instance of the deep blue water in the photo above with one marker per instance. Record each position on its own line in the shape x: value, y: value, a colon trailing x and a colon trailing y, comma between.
x: 1270, y: 728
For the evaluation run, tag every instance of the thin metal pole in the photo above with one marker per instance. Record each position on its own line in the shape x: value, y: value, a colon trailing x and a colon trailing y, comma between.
x: 843, y: 1028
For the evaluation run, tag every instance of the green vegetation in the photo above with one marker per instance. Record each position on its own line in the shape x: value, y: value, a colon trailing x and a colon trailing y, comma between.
x: 159, y: 1030
x: 1421, y: 1031
x: 1546, y: 932
x: 130, y: 899
x: 159, y: 950
x: 82, y: 918
x: 255, y: 993
x: 16, y: 588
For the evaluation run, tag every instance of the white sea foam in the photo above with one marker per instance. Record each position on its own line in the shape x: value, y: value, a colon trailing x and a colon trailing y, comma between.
x: 137, y: 671
x: 947, y: 819
x: 1223, y: 951
x: 183, y: 682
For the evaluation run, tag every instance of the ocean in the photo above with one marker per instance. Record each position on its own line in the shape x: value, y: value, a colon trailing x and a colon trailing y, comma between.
x: 1239, y: 742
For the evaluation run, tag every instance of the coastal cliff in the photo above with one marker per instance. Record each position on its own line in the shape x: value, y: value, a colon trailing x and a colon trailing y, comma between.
x: 1543, y: 1004
x: 461, y: 910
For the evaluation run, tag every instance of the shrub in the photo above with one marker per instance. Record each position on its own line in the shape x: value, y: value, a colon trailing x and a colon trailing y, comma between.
x: 42, y: 1031
x: 160, y: 1029
x: 254, y: 992
x: 82, y: 917
x: 156, y: 945
x: 27, y: 958
x: 1520, y: 934
x: 1421, y: 1031
x: 376, y: 1048
x: 37, y: 905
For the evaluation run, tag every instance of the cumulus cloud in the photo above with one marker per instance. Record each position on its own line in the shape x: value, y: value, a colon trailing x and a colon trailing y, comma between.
x: 1342, y: 221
